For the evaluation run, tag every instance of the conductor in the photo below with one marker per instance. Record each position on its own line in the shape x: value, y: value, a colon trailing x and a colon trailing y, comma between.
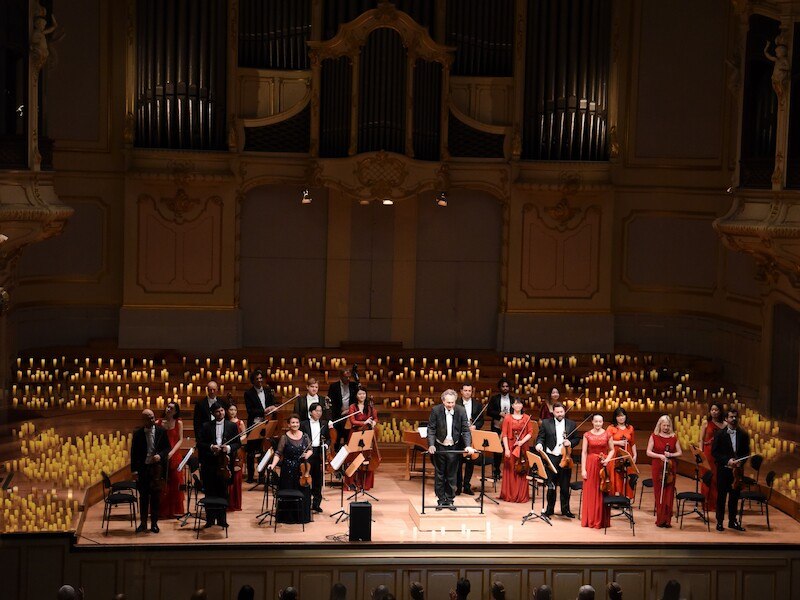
x: 448, y: 432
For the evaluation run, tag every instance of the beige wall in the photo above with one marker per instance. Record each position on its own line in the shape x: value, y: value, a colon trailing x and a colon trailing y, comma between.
x: 559, y: 256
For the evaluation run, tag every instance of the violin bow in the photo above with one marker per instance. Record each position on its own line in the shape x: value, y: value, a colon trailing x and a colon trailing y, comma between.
x: 254, y: 425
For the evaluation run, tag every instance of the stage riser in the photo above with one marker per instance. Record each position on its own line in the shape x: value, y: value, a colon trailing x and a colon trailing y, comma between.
x: 706, y: 573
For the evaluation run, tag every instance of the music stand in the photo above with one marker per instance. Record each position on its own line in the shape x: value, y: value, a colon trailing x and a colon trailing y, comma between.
x: 348, y: 472
x: 485, y: 441
x: 188, y: 485
x: 537, y: 472
x: 360, y: 441
x: 700, y: 460
x: 625, y: 457
x: 265, y: 507
x: 263, y: 431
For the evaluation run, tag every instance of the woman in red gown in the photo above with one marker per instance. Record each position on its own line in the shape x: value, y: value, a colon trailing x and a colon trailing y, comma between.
x: 714, y: 423
x: 235, y: 487
x: 172, y: 502
x: 622, y: 437
x: 363, y: 416
x: 517, y: 430
x: 597, y: 451
x: 662, y: 447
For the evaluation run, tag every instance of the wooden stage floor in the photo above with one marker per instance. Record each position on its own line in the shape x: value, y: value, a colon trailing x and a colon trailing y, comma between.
x: 393, y: 524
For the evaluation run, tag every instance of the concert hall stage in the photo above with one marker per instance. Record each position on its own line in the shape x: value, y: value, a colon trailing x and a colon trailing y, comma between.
x: 394, y: 525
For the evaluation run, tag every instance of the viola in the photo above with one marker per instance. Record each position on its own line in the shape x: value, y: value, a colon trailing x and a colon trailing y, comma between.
x: 224, y: 466
x: 566, y: 452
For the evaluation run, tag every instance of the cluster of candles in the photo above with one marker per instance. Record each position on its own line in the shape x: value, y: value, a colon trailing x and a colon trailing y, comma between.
x: 392, y: 432
x: 38, y: 510
x: 69, y: 462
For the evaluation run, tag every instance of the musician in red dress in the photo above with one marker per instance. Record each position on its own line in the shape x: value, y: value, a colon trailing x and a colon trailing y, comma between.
x: 172, y: 500
x: 235, y: 487
x: 663, y: 447
x: 546, y: 410
x: 517, y: 430
x: 714, y: 423
x: 363, y: 416
x: 622, y: 437
x: 597, y: 451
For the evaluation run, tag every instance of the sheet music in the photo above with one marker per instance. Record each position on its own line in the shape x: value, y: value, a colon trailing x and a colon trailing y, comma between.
x: 185, y: 460
x: 423, y: 432
x: 263, y: 462
x: 339, y: 459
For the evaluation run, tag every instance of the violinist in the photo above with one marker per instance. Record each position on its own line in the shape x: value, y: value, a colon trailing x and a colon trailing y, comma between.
x: 546, y: 408
x: 235, y: 502
x: 596, y: 455
x: 202, y: 407
x: 474, y: 410
x: 342, y: 393
x: 714, y: 422
x: 217, y: 443
x: 622, y: 435
x: 364, y: 416
x: 172, y: 504
x: 729, y: 444
x: 517, y: 432
x: 302, y: 405
x: 556, y: 433
x: 499, y: 406
x: 318, y: 431
x: 293, y: 450
x: 663, y: 447
x: 259, y: 402
x: 149, y: 450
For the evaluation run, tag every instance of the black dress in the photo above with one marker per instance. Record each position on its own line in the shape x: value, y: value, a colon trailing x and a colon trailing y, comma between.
x: 290, y: 452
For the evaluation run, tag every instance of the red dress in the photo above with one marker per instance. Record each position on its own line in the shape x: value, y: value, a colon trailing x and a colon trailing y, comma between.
x: 545, y: 412
x: 172, y: 500
x: 663, y: 509
x: 515, y: 485
x: 618, y: 487
x: 357, y: 422
x: 593, y: 513
x: 710, y: 491
x: 235, y: 487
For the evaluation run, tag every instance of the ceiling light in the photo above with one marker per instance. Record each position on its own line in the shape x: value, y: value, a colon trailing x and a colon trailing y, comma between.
x: 387, y: 202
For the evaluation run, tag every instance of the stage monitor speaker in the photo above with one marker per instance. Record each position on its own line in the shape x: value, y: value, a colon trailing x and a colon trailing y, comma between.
x: 360, y: 522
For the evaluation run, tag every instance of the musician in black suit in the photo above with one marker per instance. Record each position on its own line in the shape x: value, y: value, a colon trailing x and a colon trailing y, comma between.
x: 217, y: 438
x: 499, y: 407
x: 149, y: 449
x: 730, y: 443
x: 259, y: 402
x: 342, y: 393
x: 317, y: 430
x: 474, y: 410
x: 202, y: 407
x: 302, y: 406
x: 550, y: 440
x: 448, y: 430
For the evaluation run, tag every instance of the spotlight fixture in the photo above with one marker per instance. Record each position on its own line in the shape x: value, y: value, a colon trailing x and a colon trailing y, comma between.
x: 387, y: 202
x: 307, y: 199
x: 364, y: 202
x: 441, y: 198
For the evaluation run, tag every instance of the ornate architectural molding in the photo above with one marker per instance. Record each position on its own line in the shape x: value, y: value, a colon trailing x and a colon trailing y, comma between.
x: 180, y: 208
x: 353, y: 35
x: 767, y: 227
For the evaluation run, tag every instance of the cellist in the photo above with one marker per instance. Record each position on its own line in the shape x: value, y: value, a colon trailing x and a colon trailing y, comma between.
x: 663, y: 447
x: 318, y: 431
x: 556, y: 434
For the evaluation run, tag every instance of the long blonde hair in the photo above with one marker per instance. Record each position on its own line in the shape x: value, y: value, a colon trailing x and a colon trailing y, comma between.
x: 661, y: 419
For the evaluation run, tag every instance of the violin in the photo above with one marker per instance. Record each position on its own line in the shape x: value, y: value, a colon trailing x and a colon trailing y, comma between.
x: 305, y: 474
x: 521, y: 464
x: 668, y: 477
x: 738, y: 472
x: 566, y: 451
x: 605, y: 477
x: 224, y: 466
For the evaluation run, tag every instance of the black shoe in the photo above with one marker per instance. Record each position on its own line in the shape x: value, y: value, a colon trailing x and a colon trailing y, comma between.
x: 568, y: 514
x: 317, y: 509
x: 439, y: 506
x: 451, y: 506
x: 458, y: 492
x: 720, y: 527
x: 548, y: 513
x: 154, y: 528
x: 736, y: 525
x: 468, y: 491
x: 208, y: 525
x: 141, y: 528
